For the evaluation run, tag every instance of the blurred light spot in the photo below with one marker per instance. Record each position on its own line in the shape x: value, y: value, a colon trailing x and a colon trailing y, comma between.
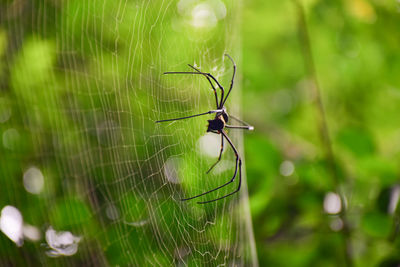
x: 33, y: 180
x: 112, y: 212
x: 5, y: 110
x: 394, y: 199
x: 32, y: 232
x: 210, y: 144
x: 332, y: 203
x: 171, y: 169
x: 184, y: 6
x: 222, y: 166
x: 11, y: 224
x: 61, y: 243
x: 107, y: 131
x: 138, y: 223
x: 286, y: 168
x: 336, y: 224
x: 203, y: 16
x: 282, y: 101
x: 11, y: 138
x: 182, y: 252
x: 362, y: 10
x: 219, y: 8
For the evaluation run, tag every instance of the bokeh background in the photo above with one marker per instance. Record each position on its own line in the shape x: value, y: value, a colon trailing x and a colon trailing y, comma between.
x: 88, y: 179
x: 299, y: 220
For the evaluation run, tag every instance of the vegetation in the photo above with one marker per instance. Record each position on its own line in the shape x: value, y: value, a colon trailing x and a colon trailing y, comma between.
x: 97, y: 182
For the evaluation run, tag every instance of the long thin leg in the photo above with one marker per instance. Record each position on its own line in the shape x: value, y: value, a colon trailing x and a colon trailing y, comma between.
x: 201, y: 73
x: 250, y: 128
x: 238, y: 120
x: 220, y: 154
x: 191, y: 116
x: 238, y: 162
x: 245, y: 125
x: 219, y: 187
x: 234, y: 192
x: 233, y: 78
x: 212, y: 85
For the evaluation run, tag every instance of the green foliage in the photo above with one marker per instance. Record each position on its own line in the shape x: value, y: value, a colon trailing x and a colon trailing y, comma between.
x: 355, y: 63
x: 81, y: 87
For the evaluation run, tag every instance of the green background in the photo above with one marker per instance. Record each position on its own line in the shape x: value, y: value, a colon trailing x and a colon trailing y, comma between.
x: 81, y: 87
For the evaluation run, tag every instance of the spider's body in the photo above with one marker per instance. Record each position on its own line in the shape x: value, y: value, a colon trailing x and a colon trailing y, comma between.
x: 218, y: 123
x: 217, y: 126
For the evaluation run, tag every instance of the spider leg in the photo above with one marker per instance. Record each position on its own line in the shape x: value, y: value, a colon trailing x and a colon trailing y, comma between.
x: 219, y: 187
x: 239, y: 120
x: 246, y: 127
x: 233, y: 77
x: 220, y: 154
x: 212, y: 85
x: 209, y: 75
x: 234, y: 192
x: 238, y: 164
x: 202, y: 73
x: 191, y: 116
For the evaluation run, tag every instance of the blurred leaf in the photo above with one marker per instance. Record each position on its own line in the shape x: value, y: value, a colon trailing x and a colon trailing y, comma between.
x: 357, y: 141
x: 69, y: 212
x: 376, y: 224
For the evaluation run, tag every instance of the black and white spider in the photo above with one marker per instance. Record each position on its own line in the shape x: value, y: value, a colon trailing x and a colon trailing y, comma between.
x: 217, y: 126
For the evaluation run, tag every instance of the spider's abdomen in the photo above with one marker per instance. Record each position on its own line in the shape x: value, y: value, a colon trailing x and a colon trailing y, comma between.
x: 215, y: 125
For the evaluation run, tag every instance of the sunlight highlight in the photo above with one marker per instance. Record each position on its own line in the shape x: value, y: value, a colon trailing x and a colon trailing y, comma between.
x: 394, y: 199
x: 336, y: 224
x: 171, y: 169
x: 61, y: 243
x: 332, y: 203
x: 112, y: 212
x: 31, y: 232
x: 11, y: 224
x: 203, y: 16
x: 11, y: 138
x: 210, y: 145
x: 138, y: 223
x: 33, y: 180
x: 5, y: 110
x: 286, y: 168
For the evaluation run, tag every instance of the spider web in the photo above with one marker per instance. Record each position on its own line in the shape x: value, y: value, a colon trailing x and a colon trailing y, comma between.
x: 84, y: 83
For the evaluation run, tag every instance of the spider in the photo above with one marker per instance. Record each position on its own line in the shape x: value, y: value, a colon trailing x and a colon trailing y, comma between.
x: 217, y: 126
